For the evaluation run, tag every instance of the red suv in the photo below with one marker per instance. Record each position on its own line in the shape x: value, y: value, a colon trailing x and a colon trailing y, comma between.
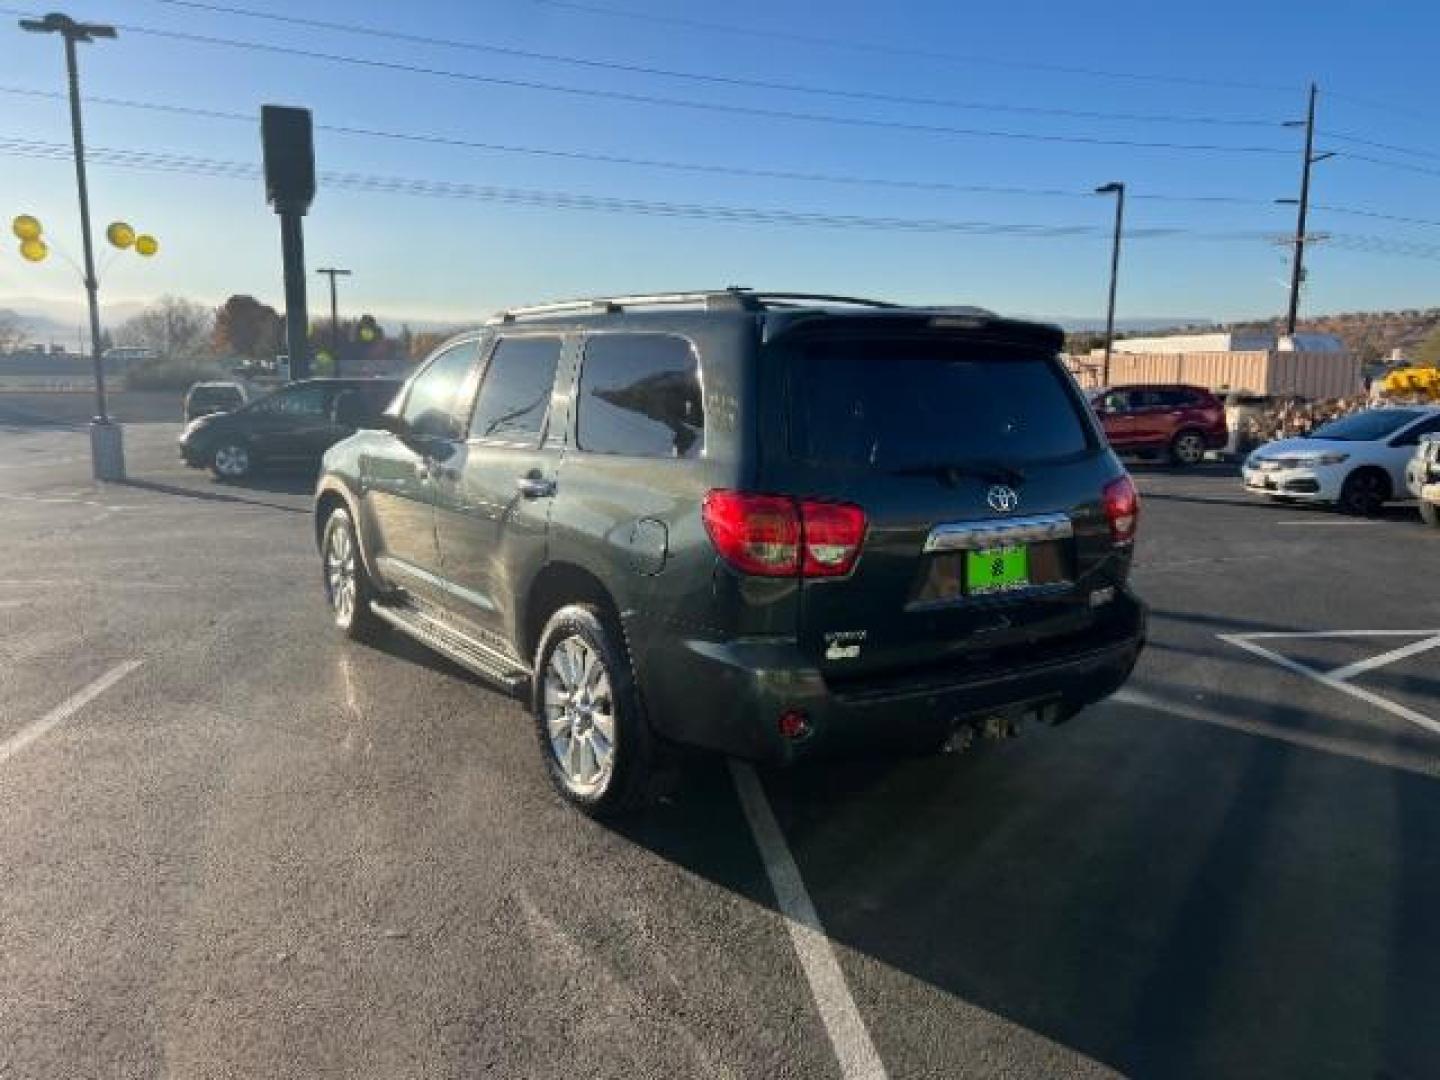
x: 1181, y: 422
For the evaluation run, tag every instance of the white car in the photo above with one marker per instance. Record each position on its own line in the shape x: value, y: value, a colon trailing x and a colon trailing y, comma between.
x: 1356, y: 463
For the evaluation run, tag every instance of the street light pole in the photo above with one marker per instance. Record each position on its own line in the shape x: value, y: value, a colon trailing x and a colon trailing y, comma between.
x: 106, y: 446
x: 332, y: 273
x: 1116, y: 188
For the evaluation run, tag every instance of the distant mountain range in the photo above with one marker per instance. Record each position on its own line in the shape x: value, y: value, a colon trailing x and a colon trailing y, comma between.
x: 63, y: 322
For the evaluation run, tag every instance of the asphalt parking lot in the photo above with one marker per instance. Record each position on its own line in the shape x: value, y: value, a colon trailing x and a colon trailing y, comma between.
x: 236, y: 845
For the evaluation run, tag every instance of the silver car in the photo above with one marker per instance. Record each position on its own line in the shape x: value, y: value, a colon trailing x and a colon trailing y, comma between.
x: 1422, y: 477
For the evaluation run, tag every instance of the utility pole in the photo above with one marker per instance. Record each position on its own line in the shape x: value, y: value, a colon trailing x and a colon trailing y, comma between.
x: 332, y: 273
x: 1116, y: 188
x: 107, y: 451
x: 1297, y: 265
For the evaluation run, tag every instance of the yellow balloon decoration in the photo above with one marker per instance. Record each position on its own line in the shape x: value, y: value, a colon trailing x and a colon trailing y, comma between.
x: 26, y: 227
x: 34, y: 249
x: 146, y: 245
x: 120, y: 234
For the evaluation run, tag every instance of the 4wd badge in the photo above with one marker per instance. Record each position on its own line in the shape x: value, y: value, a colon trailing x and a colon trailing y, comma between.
x: 843, y: 644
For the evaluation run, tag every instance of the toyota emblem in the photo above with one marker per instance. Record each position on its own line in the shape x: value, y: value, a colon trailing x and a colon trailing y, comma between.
x: 1002, y: 499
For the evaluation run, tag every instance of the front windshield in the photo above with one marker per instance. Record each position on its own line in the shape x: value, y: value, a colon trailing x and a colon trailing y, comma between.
x: 1366, y: 426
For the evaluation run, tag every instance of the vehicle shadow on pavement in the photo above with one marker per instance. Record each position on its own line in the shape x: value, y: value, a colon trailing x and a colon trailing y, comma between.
x: 1164, y: 896
x: 226, y: 496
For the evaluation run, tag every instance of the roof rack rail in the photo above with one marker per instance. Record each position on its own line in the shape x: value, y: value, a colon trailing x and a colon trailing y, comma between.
x: 731, y: 298
x: 612, y: 305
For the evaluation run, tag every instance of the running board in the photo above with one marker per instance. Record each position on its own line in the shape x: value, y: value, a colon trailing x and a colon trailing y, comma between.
x: 455, y: 645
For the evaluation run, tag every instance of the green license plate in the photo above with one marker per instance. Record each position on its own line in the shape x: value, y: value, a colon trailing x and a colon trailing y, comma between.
x: 996, y: 570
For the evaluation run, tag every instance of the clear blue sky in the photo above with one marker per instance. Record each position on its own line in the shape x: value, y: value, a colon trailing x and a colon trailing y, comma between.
x: 456, y: 259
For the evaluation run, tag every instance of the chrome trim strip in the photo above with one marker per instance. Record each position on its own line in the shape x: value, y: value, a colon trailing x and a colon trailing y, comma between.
x: 390, y: 565
x: 975, y: 535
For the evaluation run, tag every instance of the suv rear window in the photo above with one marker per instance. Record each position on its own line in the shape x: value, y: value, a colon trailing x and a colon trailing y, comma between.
x: 224, y: 397
x: 896, y: 404
x: 640, y: 395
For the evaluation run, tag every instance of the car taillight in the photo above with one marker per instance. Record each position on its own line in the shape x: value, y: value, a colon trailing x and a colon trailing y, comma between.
x: 778, y: 536
x: 1122, y: 508
x: 831, y: 534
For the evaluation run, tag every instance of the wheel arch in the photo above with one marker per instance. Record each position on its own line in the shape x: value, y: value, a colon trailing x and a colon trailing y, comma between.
x: 556, y: 585
x: 333, y: 495
x: 1372, y: 468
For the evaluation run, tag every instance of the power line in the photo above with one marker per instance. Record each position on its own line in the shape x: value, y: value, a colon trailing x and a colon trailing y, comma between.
x: 1382, y: 106
x: 1358, y: 141
x: 712, y: 168
x: 527, y: 197
x: 711, y: 78
x: 359, y: 181
x: 644, y: 162
x: 687, y: 103
x: 901, y: 50
x: 1403, y: 166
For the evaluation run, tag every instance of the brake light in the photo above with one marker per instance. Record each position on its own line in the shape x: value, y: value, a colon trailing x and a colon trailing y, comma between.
x: 831, y: 534
x: 779, y: 536
x: 1122, y: 509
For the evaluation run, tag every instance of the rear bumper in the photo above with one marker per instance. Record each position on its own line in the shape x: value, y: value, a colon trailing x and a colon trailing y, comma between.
x: 729, y: 696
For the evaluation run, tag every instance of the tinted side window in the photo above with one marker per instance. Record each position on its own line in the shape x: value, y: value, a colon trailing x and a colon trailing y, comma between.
x: 640, y: 395
x: 297, y: 401
x: 515, y: 396
x: 1148, y: 399
x: 430, y: 406
x: 1412, y: 437
x: 378, y: 396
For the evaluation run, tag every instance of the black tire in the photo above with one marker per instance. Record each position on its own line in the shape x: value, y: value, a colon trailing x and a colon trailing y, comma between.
x: 1430, y: 514
x: 348, y: 588
x: 1364, y: 492
x: 231, y: 460
x: 1187, y: 449
x: 567, y: 723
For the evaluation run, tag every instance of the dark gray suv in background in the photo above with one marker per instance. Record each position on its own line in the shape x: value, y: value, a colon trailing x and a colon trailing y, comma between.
x: 770, y: 525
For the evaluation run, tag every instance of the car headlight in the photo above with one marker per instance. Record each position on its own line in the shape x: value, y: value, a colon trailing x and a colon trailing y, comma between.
x: 1309, y: 461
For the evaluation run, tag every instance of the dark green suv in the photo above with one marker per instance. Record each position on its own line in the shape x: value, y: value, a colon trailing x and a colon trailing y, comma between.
x: 771, y: 525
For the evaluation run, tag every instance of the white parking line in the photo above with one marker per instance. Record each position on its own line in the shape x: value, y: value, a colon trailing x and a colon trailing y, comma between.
x: 851, y: 1041
x: 1394, y: 708
x: 1325, y: 744
x: 1349, y: 671
x: 66, y: 709
x: 1327, y: 521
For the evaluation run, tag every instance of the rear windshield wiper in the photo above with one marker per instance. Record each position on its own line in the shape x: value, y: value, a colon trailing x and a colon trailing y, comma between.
x: 948, y: 472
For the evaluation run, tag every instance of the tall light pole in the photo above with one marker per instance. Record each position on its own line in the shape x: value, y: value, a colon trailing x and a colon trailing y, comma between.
x: 1116, y: 188
x: 1297, y: 264
x: 332, y: 273
x: 107, y: 452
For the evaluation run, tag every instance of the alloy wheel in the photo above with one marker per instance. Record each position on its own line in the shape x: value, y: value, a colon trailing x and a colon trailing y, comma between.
x: 232, y: 460
x: 340, y: 574
x: 1189, y: 449
x: 580, y: 715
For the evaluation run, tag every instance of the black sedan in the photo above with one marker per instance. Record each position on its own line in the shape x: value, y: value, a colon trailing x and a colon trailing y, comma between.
x: 293, y: 426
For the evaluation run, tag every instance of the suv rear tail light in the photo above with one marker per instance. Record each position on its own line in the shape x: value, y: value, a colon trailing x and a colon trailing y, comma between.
x: 831, y: 534
x: 1122, y: 508
x: 779, y: 536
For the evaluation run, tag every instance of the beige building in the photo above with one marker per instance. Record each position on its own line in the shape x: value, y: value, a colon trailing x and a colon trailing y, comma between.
x: 1273, y: 372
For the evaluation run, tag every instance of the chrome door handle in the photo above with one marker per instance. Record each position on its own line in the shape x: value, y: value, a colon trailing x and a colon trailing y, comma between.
x: 534, y: 487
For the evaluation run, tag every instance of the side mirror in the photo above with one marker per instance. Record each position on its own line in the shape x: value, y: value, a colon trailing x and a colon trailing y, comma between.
x: 392, y: 422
